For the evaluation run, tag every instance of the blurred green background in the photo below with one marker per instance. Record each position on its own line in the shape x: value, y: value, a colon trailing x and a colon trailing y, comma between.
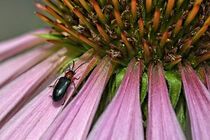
x: 17, y: 17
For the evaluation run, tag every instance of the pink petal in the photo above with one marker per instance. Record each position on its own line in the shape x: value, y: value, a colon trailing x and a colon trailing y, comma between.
x: 122, y: 118
x: 198, y: 102
x: 84, y: 70
x: 75, y: 120
x: 33, y: 119
x: 10, y: 70
x: 206, y: 76
x: 17, y: 45
x: 36, y: 116
x: 16, y: 93
x: 162, y: 123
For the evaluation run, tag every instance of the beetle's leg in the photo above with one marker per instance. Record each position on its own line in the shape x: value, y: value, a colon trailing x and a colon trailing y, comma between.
x: 77, y: 78
x: 74, y: 83
x: 54, y: 84
x: 64, y: 99
x: 74, y: 86
x: 75, y: 89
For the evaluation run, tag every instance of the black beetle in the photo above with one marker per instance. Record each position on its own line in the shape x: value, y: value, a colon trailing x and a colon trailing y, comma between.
x: 61, y: 85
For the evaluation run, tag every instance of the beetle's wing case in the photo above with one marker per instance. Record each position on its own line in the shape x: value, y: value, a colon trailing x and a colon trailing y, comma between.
x: 61, y: 88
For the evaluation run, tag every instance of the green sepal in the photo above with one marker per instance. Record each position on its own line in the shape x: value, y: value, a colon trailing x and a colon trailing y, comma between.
x: 144, y: 87
x: 116, y: 83
x: 144, y: 108
x: 175, y: 85
x: 181, y: 112
x: 49, y: 36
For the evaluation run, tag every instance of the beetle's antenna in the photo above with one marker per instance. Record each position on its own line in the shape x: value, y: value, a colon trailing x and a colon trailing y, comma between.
x: 72, y: 66
x: 80, y: 66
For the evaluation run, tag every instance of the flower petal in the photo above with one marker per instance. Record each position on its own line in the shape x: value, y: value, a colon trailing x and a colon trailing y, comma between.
x: 84, y: 70
x: 205, y: 72
x: 16, y: 93
x: 122, y: 118
x: 162, y: 123
x: 36, y: 116
x: 208, y: 77
x: 17, y: 45
x: 75, y: 120
x: 10, y: 70
x: 198, y: 102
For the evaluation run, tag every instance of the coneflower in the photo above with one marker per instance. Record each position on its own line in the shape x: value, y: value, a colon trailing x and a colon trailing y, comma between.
x: 143, y: 72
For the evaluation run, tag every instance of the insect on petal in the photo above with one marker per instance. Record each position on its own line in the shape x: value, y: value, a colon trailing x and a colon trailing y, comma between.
x: 36, y: 116
x: 75, y: 120
x: 16, y: 93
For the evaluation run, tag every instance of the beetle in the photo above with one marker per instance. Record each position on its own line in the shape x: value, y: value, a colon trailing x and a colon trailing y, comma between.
x: 61, y: 85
